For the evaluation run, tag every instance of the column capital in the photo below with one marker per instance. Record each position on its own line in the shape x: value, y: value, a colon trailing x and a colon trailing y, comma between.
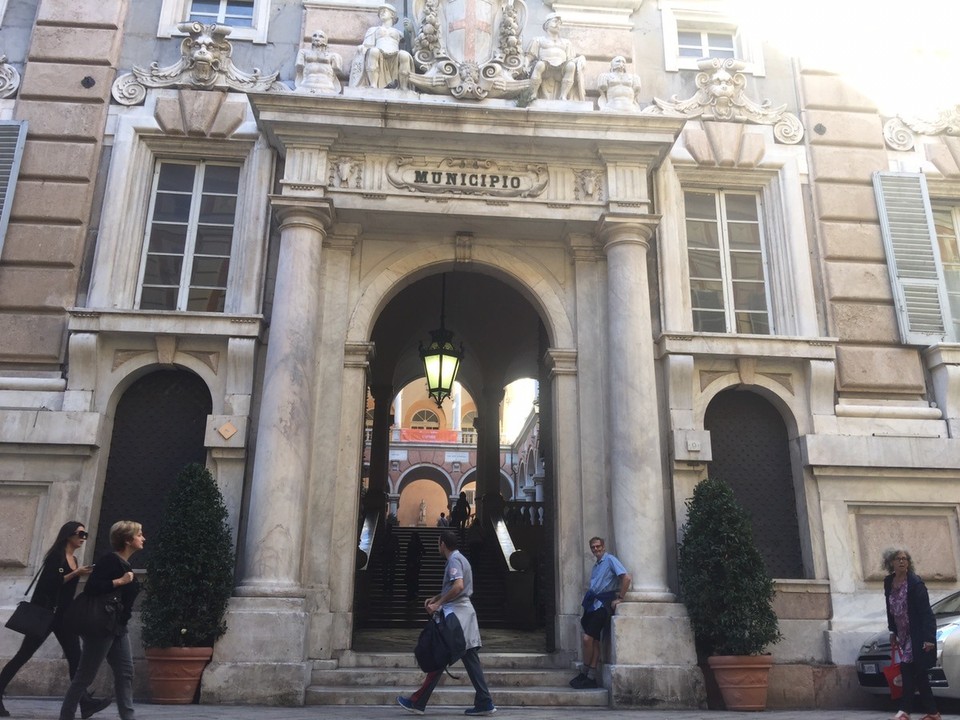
x: 626, y: 229
x: 357, y: 354
x: 315, y: 213
x: 561, y: 361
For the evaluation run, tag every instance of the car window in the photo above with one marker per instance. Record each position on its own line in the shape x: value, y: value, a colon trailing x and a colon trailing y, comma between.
x: 950, y: 605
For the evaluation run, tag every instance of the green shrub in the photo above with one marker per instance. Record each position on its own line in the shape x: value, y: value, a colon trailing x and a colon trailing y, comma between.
x: 723, y: 580
x: 190, y: 574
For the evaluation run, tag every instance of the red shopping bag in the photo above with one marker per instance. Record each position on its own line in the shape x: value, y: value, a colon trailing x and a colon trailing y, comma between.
x: 894, y: 678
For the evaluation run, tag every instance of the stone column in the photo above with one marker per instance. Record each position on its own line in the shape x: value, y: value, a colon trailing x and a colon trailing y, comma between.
x: 379, y: 449
x: 274, y: 540
x: 651, y: 641
x: 636, y: 478
x: 488, y: 452
x: 457, y: 405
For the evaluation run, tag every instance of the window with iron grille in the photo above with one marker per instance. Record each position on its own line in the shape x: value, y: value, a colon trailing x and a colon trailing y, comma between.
x: 189, y: 237
x: 725, y: 254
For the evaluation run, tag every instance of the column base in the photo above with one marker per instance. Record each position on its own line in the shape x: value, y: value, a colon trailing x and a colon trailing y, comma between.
x: 652, y: 658
x: 262, y: 659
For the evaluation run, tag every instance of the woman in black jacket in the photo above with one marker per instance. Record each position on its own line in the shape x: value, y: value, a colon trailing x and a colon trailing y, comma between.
x: 56, y: 586
x: 913, y: 631
x: 111, y: 574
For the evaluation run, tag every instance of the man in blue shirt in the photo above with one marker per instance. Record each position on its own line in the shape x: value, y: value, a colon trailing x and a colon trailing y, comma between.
x: 609, y: 582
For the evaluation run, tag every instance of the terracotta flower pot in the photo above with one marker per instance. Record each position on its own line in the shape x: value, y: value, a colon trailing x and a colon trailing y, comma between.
x: 742, y: 679
x: 175, y: 672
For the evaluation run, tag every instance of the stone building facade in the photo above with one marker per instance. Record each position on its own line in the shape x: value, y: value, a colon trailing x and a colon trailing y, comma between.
x: 266, y: 213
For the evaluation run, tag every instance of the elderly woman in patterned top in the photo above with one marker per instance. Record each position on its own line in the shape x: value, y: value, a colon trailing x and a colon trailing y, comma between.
x: 913, y: 631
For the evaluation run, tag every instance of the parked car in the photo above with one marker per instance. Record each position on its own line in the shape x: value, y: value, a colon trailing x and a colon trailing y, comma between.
x: 944, y: 676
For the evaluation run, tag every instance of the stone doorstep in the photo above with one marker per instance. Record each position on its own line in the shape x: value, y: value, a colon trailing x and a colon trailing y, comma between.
x: 490, y: 660
x: 461, y: 696
x: 412, y: 677
x: 515, y: 679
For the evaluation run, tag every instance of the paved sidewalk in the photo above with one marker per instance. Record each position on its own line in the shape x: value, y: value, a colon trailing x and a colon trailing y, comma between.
x: 48, y: 709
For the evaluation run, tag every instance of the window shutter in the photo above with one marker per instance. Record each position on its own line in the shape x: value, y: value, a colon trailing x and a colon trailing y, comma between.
x: 13, y: 135
x: 913, y: 258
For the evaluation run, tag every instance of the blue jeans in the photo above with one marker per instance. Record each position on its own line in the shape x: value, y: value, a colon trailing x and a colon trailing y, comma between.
x: 116, y: 650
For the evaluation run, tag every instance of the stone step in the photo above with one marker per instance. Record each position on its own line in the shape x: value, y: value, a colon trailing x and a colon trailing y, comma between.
x: 412, y: 677
x: 490, y: 660
x: 460, y: 696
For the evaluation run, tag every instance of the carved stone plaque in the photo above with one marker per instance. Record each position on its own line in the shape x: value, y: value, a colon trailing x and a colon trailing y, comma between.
x: 461, y: 176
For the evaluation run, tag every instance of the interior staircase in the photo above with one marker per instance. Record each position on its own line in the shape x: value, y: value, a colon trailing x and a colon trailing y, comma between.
x: 386, y: 600
x: 514, y: 678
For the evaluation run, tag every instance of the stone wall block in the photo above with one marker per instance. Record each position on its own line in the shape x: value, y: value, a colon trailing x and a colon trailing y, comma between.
x: 846, y: 202
x: 65, y: 81
x: 46, y: 200
x: 830, y: 92
x: 845, y: 128
x: 43, y: 244
x: 92, y: 46
x: 345, y: 26
x: 846, y: 165
x: 103, y: 13
x: 866, y: 368
x: 865, y: 322
x: 858, y: 281
x: 63, y: 120
x: 28, y: 337
x: 58, y: 160
x: 37, y: 286
x: 861, y: 241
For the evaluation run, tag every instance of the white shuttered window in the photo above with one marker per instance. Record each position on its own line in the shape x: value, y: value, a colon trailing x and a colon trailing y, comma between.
x: 916, y: 255
x: 13, y: 135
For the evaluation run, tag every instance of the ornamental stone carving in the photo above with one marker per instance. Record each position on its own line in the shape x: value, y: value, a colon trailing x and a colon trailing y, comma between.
x: 380, y: 62
x: 900, y: 132
x: 9, y: 78
x: 556, y: 70
x: 619, y: 89
x: 317, y: 68
x: 721, y: 97
x: 471, y: 50
x: 205, y: 64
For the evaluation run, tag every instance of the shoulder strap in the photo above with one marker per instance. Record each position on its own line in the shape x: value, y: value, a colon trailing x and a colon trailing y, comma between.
x: 35, y: 577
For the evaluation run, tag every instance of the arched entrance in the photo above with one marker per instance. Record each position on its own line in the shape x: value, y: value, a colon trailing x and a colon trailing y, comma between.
x: 504, y: 339
x: 158, y: 428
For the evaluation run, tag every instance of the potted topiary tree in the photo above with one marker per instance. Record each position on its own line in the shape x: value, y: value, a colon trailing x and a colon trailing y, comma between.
x: 189, y: 582
x: 728, y: 594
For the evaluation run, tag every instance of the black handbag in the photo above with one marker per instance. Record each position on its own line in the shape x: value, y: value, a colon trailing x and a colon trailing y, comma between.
x: 92, y: 615
x: 29, y: 618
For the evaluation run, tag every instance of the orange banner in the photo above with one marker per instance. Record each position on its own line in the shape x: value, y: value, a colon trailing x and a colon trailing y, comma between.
x: 428, y: 436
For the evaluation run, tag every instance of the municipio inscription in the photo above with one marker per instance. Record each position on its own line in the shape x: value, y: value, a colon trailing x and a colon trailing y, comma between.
x: 461, y: 176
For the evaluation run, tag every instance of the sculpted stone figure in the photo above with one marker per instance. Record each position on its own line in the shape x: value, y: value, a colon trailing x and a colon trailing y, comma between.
x: 380, y: 63
x: 317, y: 67
x: 619, y: 90
x: 556, y: 69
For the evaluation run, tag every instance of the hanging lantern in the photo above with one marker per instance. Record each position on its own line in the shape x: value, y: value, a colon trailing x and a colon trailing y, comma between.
x: 441, y: 359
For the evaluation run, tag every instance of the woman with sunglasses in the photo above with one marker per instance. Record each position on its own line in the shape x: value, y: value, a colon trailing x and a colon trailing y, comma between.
x: 56, y: 586
x: 112, y: 575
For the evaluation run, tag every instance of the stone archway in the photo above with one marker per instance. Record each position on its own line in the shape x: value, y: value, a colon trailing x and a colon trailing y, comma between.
x: 505, y: 338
